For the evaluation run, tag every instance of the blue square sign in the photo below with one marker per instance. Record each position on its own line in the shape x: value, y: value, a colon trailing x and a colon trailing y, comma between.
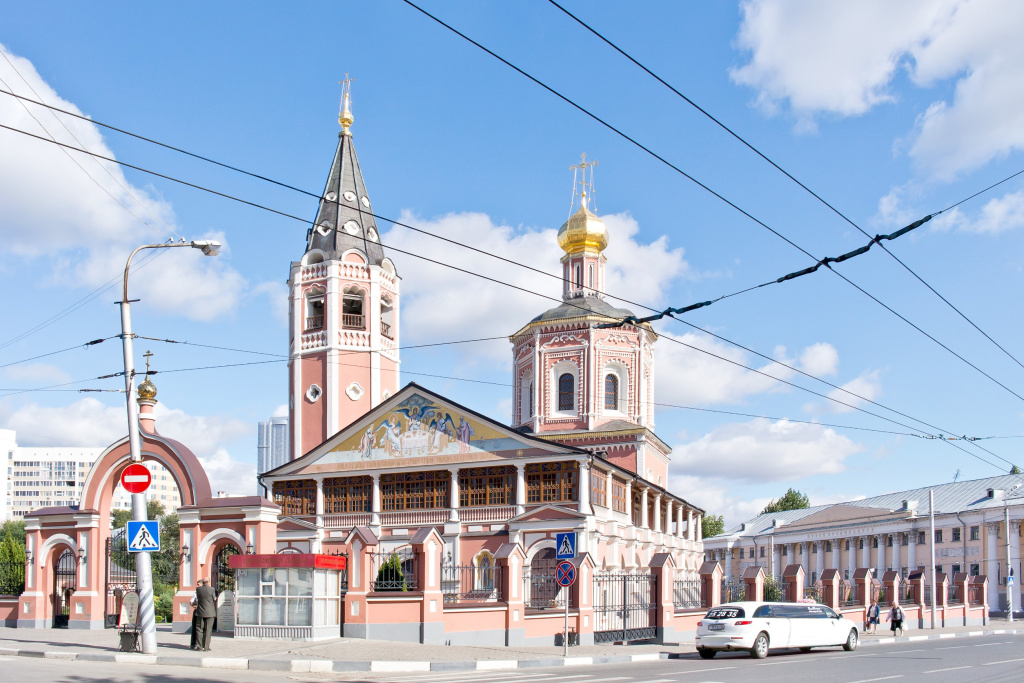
x: 565, y: 546
x: 143, y: 537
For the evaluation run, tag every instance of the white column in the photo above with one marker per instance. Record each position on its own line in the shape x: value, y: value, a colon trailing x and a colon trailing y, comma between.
x: 852, y: 559
x: 728, y: 563
x: 585, y: 488
x: 805, y: 558
x: 643, y: 509
x: 993, y: 567
x: 865, y: 557
x: 375, y: 501
x: 679, y: 522
x: 609, y: 477
x: 699, y: 528
x: 912, y: 550
x: 520, y: 489
x: 1015, y: 563
x: 656, y: 522
x: 820, y: 564
x: 776, y: 558
x: 454, y: 505
x: 319, y: 503
x: 689, y: 525
x: 880, y: 559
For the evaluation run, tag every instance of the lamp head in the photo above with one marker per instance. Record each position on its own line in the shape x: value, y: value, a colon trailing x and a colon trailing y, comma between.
x: 209, y: 247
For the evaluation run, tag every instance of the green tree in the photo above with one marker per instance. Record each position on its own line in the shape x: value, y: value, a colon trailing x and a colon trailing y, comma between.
x: 167, y: 561
x: 1015, y: 470
x: 793, y: 500
x: 15, y: 527
x: 390, y: 576
x: 12, y: 565
x: 712, y: 525
x: 120, y: 518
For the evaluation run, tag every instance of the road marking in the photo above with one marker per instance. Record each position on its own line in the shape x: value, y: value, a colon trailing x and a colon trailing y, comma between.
x: 1005, y: 661
x: 700, y: 671
x: 601, y: 680
x: 951, y: 647
x: 952, y: 668
x: 1005, y: 642
x: 884, y: 678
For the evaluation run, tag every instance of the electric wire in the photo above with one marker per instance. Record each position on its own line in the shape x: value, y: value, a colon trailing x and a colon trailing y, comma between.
x: 686, y: 175
x: 54, y: 353
x: 793, y: 178
x: 304, y: 221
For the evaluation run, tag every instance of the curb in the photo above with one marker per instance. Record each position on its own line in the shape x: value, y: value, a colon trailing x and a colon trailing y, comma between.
x: 389, y: 666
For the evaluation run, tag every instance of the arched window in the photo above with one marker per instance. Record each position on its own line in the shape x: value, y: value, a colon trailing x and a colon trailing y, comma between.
x: 578, y: 277
x: 352, y: 314
x: 315, y: 308
x: 611, y: 392
x: 387, y: 318
x: 566, y: 392
x: 590, y: 275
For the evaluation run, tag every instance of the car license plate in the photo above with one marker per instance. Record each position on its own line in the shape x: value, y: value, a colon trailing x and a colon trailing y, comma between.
x: 716, y: 627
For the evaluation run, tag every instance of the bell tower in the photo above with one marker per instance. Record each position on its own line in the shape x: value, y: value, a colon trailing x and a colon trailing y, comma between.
x: 343, y: 307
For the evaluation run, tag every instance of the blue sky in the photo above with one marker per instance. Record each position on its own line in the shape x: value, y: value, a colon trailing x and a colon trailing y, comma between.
x: 888, y: 113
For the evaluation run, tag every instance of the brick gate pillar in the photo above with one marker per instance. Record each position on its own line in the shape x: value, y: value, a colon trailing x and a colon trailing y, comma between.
x: 753, y: 580
x: 663, y: 566
x: 360, y: 544
x: 428, y: 546
x: 511, y: 558
x: 862, y: 585
x: 711, y: 584
x: 830, y: 587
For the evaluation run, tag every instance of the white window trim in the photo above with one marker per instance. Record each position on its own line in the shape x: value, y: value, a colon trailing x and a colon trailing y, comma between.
x: 557, y: 370
x: 620, y: 371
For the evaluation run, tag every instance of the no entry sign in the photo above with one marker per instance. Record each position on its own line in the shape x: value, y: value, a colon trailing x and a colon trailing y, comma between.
x: 135, y: 478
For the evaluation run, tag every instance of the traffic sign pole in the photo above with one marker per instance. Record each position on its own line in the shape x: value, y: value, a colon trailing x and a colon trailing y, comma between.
x: 565, y: 576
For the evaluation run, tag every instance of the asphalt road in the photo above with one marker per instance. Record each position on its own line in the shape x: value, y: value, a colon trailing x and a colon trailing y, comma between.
x: 981, y: 658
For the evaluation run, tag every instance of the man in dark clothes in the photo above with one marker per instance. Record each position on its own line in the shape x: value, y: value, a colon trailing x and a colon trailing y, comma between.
x: 205, y: 601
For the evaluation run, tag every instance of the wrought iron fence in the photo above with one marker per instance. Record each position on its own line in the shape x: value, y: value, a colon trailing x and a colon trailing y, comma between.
x: 394, y: 570
x: 541, y: 591
x: 733, y: 591
x: 624, y: 607
x: 774, y: 589
x: 813, y: 593
x: 956, y: 594
x: 12, y: 577
x: 848, y: 594
x: 686, y: 594
x: 976, y: 595
x: 470, y: 583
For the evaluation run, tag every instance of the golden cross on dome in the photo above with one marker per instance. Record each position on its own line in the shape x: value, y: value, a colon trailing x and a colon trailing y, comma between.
x: 579, y: 177
x: 345, y: 117
x: 148, y: 355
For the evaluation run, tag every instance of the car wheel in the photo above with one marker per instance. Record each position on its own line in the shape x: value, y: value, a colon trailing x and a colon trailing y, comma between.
x: 760, y: 649
x: 805, y: 649
x: 706, y: 653
x: 851, y: 641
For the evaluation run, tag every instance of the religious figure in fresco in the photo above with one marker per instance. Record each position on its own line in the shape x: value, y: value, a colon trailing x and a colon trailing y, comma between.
x: 366, y: 444
x: 464, y: 431
x: 441, y: 430
x: 391, y: 440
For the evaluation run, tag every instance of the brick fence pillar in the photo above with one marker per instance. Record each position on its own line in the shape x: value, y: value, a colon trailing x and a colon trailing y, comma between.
x: 753, y: 580
x: 793, y: 575
x: 360, y: 545
x: 663, y: 567
x: 510, y: 558
x: 830, y: 587
x: 582, y: 592
x: 711, y: 584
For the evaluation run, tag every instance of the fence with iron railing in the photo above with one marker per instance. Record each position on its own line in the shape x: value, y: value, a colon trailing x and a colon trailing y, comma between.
x: 686, y: 594
x: 849, y: 594
x: 733, y: 591
x: 460, y: 584
x: 976, y: 595
x: 350, y: 321
x: 814, y: 593
x: 394, y: 570
x: 541, y: 590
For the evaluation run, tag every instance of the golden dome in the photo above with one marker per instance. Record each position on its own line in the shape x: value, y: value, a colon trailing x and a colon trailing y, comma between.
x: 583, y: 230
x: 147, y: 390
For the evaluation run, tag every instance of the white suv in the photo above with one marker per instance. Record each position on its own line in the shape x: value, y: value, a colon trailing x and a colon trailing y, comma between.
x: 757, y: 626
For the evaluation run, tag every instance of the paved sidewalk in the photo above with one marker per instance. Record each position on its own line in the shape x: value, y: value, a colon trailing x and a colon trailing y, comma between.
x: 349, y: 654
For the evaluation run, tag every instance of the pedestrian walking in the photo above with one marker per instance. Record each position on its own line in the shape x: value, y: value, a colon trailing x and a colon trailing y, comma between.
x: 194, y: 642
x: 205, y: 601
x: 896, y: 617
x: 874, y: 613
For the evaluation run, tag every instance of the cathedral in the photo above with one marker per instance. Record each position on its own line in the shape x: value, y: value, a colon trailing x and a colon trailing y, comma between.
x: 392, y: 460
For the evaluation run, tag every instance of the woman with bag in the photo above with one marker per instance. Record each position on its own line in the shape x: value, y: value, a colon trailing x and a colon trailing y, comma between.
x: 896, y: 617
x: 874, y: 612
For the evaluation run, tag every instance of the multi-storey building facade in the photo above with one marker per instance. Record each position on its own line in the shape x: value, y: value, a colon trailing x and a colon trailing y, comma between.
x: 39, y: 477
x: 273, y: 446
x: 580, y: 456
x: 891, y: 532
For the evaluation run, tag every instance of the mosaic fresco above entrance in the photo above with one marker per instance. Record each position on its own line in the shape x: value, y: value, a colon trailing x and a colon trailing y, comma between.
x: 418, y: 426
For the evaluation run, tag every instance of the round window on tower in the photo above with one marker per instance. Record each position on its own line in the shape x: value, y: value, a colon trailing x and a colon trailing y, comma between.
x: 352, y: 228
x: 313, y: 393
x: 349, y: 196
x: 331, y: 196
x: 324, y: 228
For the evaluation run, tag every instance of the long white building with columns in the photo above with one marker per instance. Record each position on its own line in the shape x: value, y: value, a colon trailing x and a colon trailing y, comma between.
x: 890, y: 532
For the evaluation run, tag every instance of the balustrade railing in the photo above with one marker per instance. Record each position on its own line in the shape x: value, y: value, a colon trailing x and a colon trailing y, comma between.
x: 385, y: 330
x: 350, y: 321
x: 314, y: 322
x: 346, y: 520
x: 414, y: 517
x: 467, y: 584
x: 499, y: 513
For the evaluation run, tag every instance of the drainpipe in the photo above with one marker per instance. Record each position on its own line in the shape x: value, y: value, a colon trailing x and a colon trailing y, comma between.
x: 266, y: 491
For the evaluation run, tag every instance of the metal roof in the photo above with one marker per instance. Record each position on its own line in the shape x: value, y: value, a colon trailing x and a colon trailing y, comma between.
x: 962, y: 496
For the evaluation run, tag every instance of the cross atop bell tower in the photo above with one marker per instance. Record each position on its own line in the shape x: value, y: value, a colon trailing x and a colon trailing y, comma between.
x: 579, y: 178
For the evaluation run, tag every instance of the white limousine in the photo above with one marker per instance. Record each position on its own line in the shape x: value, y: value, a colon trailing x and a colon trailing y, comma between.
x: 758, y: 626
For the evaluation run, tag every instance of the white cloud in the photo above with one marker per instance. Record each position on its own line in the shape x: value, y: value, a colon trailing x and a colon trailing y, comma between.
x: 441, y: 303
x: 717, y: 498
x: 277, y: 299
x: 280, y: 411
x: 689, y: 377
x: 762, y: 450
x: 868, y: 386
x: 89, y: 423
x: 36, y: 374
x: 52, y: 211
x: 842, y: 57
x: 998, y: 215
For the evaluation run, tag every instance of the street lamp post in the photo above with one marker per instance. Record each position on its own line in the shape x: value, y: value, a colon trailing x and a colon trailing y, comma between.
x: 143, y: 566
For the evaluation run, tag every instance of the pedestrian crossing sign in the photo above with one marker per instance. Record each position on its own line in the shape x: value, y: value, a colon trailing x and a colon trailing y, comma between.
x: 565, y: 546
x: 143, y: 537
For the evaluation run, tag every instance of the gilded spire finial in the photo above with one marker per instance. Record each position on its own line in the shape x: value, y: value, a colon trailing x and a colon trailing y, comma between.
x: 345, y: 117
x: 579, y: 177
x: 147, y: 390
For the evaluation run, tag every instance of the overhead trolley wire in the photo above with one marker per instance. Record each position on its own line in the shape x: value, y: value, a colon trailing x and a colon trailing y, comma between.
x: 691, y: 178
x: 304, y: 221
x: 803, y: 186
